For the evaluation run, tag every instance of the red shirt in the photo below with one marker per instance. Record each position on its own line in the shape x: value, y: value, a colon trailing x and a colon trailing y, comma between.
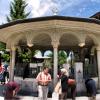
x: 2, y: 69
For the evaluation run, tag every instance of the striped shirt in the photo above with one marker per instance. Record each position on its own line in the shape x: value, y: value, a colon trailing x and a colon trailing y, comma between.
x: 43, y: 77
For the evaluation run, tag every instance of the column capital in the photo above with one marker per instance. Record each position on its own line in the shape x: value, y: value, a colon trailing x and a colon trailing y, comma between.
x: 29, y: 43
x: 55, y: 44
x: 13, y: 48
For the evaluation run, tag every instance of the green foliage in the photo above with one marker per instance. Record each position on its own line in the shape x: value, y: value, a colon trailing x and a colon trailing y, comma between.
x: 17, y: 10
x: 25, y: 57
x: 5, y: 57
x: 62, y: 58
x: 2, y: 46
x: 33, y: 53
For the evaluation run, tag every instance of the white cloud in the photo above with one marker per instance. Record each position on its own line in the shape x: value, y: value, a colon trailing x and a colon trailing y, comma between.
x: 82, y: 9
x: 3, y: 19
x: 39, y: 7
x: 44, y: 7
x: 64, y: 4
x: 33, y: 6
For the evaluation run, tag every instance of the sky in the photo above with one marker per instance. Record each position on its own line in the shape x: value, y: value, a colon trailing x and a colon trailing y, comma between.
x: 38, y: 8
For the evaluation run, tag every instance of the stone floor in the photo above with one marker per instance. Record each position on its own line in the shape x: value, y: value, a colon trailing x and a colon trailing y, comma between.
x: 77, y: 98
x: 35, y: 98
x: 26, y: 96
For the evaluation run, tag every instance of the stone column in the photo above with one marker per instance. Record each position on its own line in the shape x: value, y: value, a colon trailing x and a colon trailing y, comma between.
x: 55, y: 61
x: 98, y: 61
x: 12, y: 63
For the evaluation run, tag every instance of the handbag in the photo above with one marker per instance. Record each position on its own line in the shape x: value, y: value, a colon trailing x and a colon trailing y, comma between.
x: 71, y: 81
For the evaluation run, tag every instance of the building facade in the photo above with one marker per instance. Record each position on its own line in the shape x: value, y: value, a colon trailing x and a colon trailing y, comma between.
x: 82, y: 35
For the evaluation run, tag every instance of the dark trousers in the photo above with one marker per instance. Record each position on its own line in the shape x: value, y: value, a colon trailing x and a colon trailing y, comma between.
x: 72, y: 91
x: 63, y: 96
x: 91, y: 88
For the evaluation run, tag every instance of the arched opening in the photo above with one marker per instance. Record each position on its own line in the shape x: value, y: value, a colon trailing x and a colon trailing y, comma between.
x: 68, y: 48
x: 31, y: 56
x: 42, y: 42
x: 48, y: 53
x: 86, y: 54
x: 90, y: 57
x: 68, y: 41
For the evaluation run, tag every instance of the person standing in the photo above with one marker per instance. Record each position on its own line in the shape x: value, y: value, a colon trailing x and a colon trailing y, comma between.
x: 64, y: 84
x: 6, y: 72
x: 2, y: 70
x: 43, y: 79
x: 72, y: 83
x: 26, y: 71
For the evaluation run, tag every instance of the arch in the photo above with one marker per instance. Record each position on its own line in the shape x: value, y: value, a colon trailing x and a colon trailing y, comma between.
x: 91, y: 39
x: 15, y: 39
x: 38, y: 54
x: 42, y: 39
x: 48, y: 53
x: 69, y: 40
x: 63, y: 51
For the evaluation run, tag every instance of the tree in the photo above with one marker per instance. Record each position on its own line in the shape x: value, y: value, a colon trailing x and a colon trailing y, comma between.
x: 2, y: 46
x: 25, y: 57
x: 4, y: 55
x: 62, y: 57
x: 17, y: 10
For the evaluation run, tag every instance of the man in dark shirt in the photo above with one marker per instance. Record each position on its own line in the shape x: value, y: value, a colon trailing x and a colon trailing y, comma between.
x: 6, y: 72
x: 91, y: 88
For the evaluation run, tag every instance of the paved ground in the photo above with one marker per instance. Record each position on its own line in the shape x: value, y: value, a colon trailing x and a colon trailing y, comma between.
x: 35, y: 98
x: 31, y: 97
x: 77, y: 98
